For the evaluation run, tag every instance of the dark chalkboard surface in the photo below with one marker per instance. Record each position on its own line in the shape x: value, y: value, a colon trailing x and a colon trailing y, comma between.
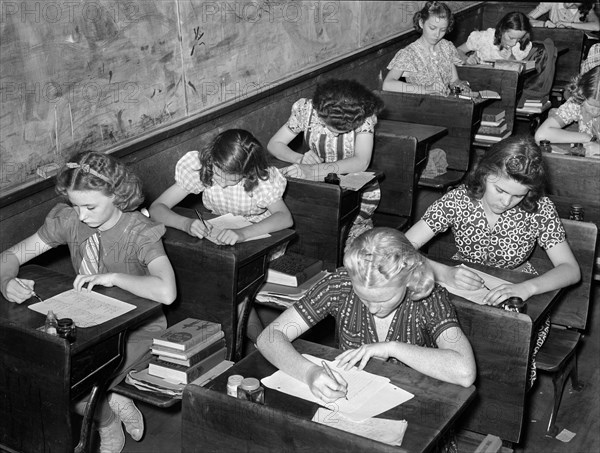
x: 99, y: 74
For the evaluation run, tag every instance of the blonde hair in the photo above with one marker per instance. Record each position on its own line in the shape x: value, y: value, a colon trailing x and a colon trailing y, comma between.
x: 382, y: 254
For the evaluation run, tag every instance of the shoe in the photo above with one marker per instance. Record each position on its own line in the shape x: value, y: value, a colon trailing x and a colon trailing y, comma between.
x: 127, y: 412
x: 112, y: 438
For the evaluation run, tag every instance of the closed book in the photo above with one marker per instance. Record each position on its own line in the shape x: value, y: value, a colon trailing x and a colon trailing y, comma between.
x: 183, y: 374
x: 493, y: 114
x: 188, y: 333
x: 492, y: 137
x: 184, y: 355
x: 205, y: 378
x: 198, y: 357
x: 494, y: 130
x: 293, y: 269
x: 528, y: 108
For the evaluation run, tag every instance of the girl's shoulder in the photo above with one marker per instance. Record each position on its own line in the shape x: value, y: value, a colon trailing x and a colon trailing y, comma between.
x: 190, y: 160
x: 302, y: 104
x: 64, y: 212
x: 140, y: 225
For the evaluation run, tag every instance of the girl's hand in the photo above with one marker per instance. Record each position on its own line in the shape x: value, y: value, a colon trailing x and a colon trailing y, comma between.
x: 501, y: 293
x: 197, y: 228
x: 549, y: 24
x: 325, y: 388
x: 473, y: 59
x: 461, y: 278
x: 437, y: 88
x: 18, y: 292
x: 592, y: 149
x: 299, y: 171
x: 93, y: 280
x: 310, y: 158
x: 351, y: 357
x: 229, y: 237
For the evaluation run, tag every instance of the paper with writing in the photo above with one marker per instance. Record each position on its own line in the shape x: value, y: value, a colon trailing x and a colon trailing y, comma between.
x: 356, y: 181
x: 230, y: 222
x: 86, y: 309
x: 368, y: 394
x: 477, y: 295
x: 380, y: 429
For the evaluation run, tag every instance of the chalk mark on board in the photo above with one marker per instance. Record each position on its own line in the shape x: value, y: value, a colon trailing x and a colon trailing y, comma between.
x: 198, y: 38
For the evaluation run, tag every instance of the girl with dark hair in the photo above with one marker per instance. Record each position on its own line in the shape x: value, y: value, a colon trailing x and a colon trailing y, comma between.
x: 428, y: 64
x: 233, y: 176
x: 583, y: 108
x: 510, y: 40
x: 497, y: 218
x: 338, y: 124
x: 580, y: 15
x: 110, y: 244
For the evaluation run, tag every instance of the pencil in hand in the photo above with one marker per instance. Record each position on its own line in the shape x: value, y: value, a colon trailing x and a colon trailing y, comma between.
x: 209, y: 229
x: 331, y: 375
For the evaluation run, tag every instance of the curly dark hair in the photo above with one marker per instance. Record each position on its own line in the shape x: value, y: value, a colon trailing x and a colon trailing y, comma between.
x: 513, y: 21
x: 236, y: 152
x: 435, y: 9
x: 90, y: 170
x: 586, y: 86
x: 517, y: 158
x: 345, y: 104
x: 584, y: 8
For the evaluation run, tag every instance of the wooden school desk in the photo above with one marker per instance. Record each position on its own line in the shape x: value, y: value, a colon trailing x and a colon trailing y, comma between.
x: 213, y: 279
x: 502, y: 343
x: 41, y: 375
x: 213, y: 421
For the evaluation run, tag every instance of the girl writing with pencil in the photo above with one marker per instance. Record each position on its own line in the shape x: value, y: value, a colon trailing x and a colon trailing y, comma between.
x: 111, y: 244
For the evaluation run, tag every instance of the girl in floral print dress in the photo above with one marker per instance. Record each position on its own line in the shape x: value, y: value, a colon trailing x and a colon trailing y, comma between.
x: 497, y: 218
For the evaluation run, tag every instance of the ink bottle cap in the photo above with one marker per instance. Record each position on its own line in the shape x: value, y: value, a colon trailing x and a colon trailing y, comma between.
x: 232, y: 384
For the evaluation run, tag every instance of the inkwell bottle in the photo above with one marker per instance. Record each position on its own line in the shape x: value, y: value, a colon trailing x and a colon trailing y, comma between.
x: 515, y: 304
x: 545, y: 146
x: 251, y: 390
x: 51, y: 325
x: 233, y: 382
x: 332, y: 178
x: 66, y: 329
x: 576, y: 212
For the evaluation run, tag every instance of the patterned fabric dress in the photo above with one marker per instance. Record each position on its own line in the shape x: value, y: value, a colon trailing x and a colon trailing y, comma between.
x: 507, y: 245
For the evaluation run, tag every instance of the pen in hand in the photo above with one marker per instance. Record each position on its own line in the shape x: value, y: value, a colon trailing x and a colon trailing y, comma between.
x: 330, y: 374
x: 33, y: 293
x: 202, y: 220
x: 485, y: 286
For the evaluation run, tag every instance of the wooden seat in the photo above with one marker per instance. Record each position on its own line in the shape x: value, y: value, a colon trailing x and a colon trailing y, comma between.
x: 558, y: 355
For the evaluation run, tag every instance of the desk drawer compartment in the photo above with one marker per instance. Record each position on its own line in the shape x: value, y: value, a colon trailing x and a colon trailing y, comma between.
x: 250, y: 272
x: 100, y: 359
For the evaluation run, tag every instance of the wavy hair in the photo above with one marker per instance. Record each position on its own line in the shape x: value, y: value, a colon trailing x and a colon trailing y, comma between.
x: 382, y: 254
x: 517, y: 158
x: 345, y: 104
x: 584, y: 8
x: 586, y: 86
x: 513, y: 21
x: 434, y: 9
x: 90, y: 170
x: 235, y: 152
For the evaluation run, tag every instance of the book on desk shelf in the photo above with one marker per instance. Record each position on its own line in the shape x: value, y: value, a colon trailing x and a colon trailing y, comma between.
x: 167, y: 356
x: 492, y: 137
x: 534, y: 106
x: 513, y: 65
x: 165, y: 351
x: 187, y: 333
x: 492, y: 115
x: 286, y: 296
x: 483, y: 94
x: 185, y: 374
x: 493, y: 129
x: 292, y: 269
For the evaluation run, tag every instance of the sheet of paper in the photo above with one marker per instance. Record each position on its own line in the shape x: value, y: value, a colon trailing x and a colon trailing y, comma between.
x: 86, y: 309
x: 356, y: 181
x: 477, y: 295
x: 230, y: 222
x: 368, y: 394
x: 381, y: 429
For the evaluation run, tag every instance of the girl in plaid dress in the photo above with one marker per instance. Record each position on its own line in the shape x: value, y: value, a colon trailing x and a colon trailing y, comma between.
x: 338, y: 124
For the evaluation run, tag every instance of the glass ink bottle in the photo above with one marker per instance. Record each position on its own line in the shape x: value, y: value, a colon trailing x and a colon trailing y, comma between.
x: 251, y: 390
x: 332, y: 178
x: 51, y: 325
x: 545, y: 146
x: 66, y: 329
x: 576, y: 212
x: 515, y: 304
x: 233, y: 383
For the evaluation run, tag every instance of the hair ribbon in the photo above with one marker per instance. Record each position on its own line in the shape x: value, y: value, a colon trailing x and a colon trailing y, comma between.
x: 85, y: 168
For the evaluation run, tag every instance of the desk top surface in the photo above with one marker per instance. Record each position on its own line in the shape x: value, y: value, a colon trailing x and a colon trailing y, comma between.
x: 49, y: 283
x: 538, y: 306
x: 424, y: 133
x: 429, y: 414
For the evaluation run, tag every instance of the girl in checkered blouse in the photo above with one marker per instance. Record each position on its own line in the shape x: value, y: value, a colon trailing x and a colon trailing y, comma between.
x: 233, y: 176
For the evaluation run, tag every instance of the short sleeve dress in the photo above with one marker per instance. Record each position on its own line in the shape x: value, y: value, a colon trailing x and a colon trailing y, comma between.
x: 482, y: 42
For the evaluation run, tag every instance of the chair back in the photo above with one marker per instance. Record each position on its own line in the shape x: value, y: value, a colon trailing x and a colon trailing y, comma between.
x: 30, y: 359
x: 573, y: 307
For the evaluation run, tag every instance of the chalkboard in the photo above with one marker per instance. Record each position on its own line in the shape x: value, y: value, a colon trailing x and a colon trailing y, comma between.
x: 100, y: 74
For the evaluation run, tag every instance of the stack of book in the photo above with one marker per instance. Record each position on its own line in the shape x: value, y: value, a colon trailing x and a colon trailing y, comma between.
x: 493, y: 126
x: 187, y: 350
x: 534, y: 106
x: 285, y: 296
x: 293, y: 269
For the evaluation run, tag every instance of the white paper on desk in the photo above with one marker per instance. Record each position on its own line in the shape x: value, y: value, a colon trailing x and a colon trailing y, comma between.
x: 230, y: 222
x: 86, y: 309
x: 476, y: 296
x: 356, y: 181
x: 368, y: 394
x: 383, y: 430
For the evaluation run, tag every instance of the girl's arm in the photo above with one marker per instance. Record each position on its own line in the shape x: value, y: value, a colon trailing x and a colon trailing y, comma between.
x: 452, y: 361
x: 586, y: 26
x: 275, y: 345
x: 564, y: 273
x: 392, y: 83
x: 278, y: 145
x: 463, y: 50
x: 552, y: 130
x: 10, y: 261
x: 536, y: 13
x: 463, y: 84
x: 160, y: 210
x: 159, y: 286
